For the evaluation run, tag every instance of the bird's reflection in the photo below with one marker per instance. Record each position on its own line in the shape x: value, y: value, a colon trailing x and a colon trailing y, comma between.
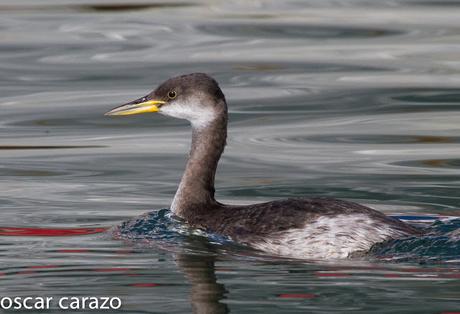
x: 206, y: 294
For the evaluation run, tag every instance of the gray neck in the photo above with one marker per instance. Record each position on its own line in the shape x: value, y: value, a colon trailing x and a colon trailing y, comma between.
x: 196, y: 189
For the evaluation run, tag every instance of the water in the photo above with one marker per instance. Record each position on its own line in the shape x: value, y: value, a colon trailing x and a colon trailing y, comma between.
x: 349, y: 99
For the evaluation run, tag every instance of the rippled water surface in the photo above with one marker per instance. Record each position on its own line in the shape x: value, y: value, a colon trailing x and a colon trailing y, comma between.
x: 351, y: 99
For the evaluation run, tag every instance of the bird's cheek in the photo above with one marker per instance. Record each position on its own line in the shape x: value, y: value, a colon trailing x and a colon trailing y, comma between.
x: 175, y: 110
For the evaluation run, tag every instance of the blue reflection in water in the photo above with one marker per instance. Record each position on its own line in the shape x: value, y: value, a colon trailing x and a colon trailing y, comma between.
x: 164, y: 228
x: 440, y: 243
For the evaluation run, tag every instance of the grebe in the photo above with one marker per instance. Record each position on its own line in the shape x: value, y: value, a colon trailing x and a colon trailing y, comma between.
x: 306, y: 228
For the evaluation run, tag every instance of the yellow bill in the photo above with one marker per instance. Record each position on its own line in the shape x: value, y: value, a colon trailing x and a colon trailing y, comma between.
x: 136, y: 107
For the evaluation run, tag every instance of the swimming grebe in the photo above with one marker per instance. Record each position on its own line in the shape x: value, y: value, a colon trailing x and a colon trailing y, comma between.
x: 310, y: 228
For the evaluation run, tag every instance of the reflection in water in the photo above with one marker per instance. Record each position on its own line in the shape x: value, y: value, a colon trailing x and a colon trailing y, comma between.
x: 294, y: 31
x: 16, y: 147
x: 441, y: 242
x: 430, y: 97
x: 435, y: 163
x: 97, y: 7
x: 206, y: 294
x: 377, y: 139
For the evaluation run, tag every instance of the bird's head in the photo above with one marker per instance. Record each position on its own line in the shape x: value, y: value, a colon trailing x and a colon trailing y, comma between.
x: 195, y: 97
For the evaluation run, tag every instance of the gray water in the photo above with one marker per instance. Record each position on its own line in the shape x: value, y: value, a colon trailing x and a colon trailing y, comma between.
x: 356, y: 100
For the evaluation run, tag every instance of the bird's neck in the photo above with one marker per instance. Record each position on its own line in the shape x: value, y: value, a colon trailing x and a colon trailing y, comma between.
x: 196, y: 189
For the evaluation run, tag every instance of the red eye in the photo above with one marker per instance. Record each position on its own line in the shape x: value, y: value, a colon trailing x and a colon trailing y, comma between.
x: 172, y: 94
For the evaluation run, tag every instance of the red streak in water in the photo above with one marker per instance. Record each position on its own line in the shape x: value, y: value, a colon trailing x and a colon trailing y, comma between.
x: 45, y: 232
x: 144, y: 285
x: 73, y: 251
x: 42, y: 266
x: 297, y: 295
x: 33, y: 269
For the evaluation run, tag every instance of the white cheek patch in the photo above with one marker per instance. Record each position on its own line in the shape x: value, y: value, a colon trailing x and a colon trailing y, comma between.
x: 198, y: 115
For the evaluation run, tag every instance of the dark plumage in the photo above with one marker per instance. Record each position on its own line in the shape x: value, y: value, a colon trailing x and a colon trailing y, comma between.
x: 319, y: 225
x: 275, y: 216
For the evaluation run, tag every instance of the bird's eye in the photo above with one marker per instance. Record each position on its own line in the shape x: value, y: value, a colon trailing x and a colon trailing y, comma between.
x: 172, y: 94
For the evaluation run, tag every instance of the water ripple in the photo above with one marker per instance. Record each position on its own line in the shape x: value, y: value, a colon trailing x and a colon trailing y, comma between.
x: 295, y: 31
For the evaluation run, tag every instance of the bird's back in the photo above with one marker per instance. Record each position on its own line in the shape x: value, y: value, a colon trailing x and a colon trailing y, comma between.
x: 303, y: 227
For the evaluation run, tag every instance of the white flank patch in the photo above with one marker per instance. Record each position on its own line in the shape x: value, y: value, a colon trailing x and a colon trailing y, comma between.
x: 198, y: 115
x: 329, y: 237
